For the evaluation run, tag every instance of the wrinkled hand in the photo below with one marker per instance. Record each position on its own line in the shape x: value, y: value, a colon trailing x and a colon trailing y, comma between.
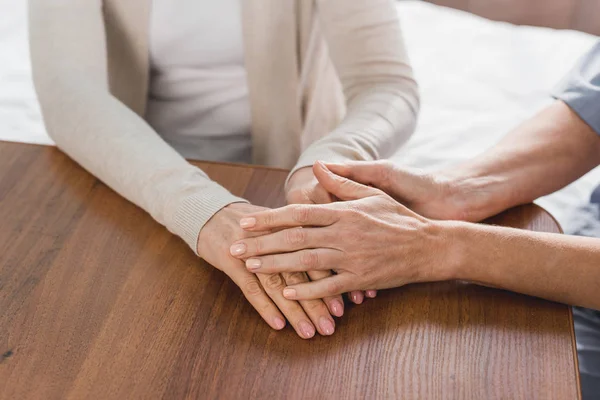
x: 263, y: 291
x: 304, y: 188
x: 370, y: 240
x: 433, y: 195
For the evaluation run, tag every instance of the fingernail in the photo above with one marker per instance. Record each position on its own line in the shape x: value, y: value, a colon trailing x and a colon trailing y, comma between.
x: 327, y: 325
x: 371, y: 293
x: 306, y: 329
x: 237, y: 249
x: 279, y: 323
x: 253, y: 264
x: 247, y: 222
x: 356, y: 298
x: 289, y: 293
x: 337, y: 308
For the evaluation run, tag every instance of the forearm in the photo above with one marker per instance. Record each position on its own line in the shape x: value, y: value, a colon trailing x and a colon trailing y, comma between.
x: 103, y: 135
x: 539, y: 157
x: 555, y: 267
x: 119, y: 148
x: 364, y: 134
x: 365, y: 44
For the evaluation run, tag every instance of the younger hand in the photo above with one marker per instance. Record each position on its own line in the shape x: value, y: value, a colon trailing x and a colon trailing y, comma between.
x: 304, y: 188
x: 263, y: 291
x: 370, y: 240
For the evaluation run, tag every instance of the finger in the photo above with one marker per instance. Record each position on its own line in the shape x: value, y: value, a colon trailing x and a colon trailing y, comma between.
x: 334, y: 285
x: 321, y: 196
x: 316, y: 195
x: 315, y: 309
x: 357, y: 296
x: 371, y: 293
x: 298, y: 261
x: 335, y: 304
x: 290, y: 216
x: 284, y: 241
x: 255, y: 294
x: 342, y: 188
x: 274, y: 285
x: 375, y: 173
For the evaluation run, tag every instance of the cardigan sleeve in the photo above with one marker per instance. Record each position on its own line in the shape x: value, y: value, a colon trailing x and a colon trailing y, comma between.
x: 367, y: 50
x: 69, y: 63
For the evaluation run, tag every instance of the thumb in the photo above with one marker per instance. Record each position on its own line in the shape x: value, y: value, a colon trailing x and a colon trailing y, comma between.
x: 372, y: 173
x: 341, y: 187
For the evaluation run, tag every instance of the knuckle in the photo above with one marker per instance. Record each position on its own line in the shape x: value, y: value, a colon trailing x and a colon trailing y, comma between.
x: 351, y: 212
x: 313, y: 306
x: 296, y: 236
x: 317, y: 275
x: 265, y: 308
x: 293, y: 278
x: 269, y: 219
x: 347, y: 184
x: 309, y: 259
x: 301, y: 214
x: 334, y: 214
x: 269, y: 261
x: 256, y: 244
x: 274, y: 282
x: 333, y: 287
x: 252, y: 287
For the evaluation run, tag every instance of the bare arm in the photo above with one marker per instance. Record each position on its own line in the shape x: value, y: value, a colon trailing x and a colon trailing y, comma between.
x: 374, y: 242
x: 552, y: 266
x: 378, y: 243
x: 539, y: 157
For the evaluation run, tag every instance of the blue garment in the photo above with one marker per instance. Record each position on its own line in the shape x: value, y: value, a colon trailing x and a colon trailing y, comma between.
x: 580, y: 89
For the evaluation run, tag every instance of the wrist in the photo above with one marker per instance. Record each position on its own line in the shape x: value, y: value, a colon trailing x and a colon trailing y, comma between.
x: 476, y: 196
x: 222, y: 224
x: 456, y: 245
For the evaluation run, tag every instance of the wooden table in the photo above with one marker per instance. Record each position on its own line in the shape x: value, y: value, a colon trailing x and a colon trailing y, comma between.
x: 99, y: 301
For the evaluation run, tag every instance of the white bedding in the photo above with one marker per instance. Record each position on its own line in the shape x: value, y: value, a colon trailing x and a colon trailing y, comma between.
x: 478, y: 79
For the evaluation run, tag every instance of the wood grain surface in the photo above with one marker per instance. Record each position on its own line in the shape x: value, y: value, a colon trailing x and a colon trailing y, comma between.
x: 98, y: 301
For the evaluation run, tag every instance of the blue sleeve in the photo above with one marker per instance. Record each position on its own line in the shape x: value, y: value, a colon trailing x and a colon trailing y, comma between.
x: 580, y: 89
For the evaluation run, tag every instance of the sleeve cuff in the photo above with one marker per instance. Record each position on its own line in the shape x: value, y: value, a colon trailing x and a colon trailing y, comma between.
x: 587, y: 108
x: 195, y: 211
x: 580, y: 89
x: 308, y: 158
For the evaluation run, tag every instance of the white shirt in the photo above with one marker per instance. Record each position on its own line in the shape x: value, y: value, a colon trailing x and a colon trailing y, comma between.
x: 198, y: 97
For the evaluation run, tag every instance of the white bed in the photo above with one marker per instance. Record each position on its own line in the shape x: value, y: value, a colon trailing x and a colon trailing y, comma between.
x: 478, y: 79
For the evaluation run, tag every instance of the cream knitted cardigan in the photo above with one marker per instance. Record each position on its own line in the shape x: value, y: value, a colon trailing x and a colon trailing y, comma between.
x: 328, y: 80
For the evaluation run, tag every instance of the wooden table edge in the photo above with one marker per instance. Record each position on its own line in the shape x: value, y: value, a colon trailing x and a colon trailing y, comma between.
x: 570, y: 313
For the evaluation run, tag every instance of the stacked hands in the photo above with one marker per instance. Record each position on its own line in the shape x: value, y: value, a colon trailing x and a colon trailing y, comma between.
x: 295, y: 262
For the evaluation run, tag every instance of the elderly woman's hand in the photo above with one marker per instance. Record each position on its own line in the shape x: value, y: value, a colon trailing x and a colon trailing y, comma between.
x: 263, y: 291
x: 370, y: 240
x: 304, y: 188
